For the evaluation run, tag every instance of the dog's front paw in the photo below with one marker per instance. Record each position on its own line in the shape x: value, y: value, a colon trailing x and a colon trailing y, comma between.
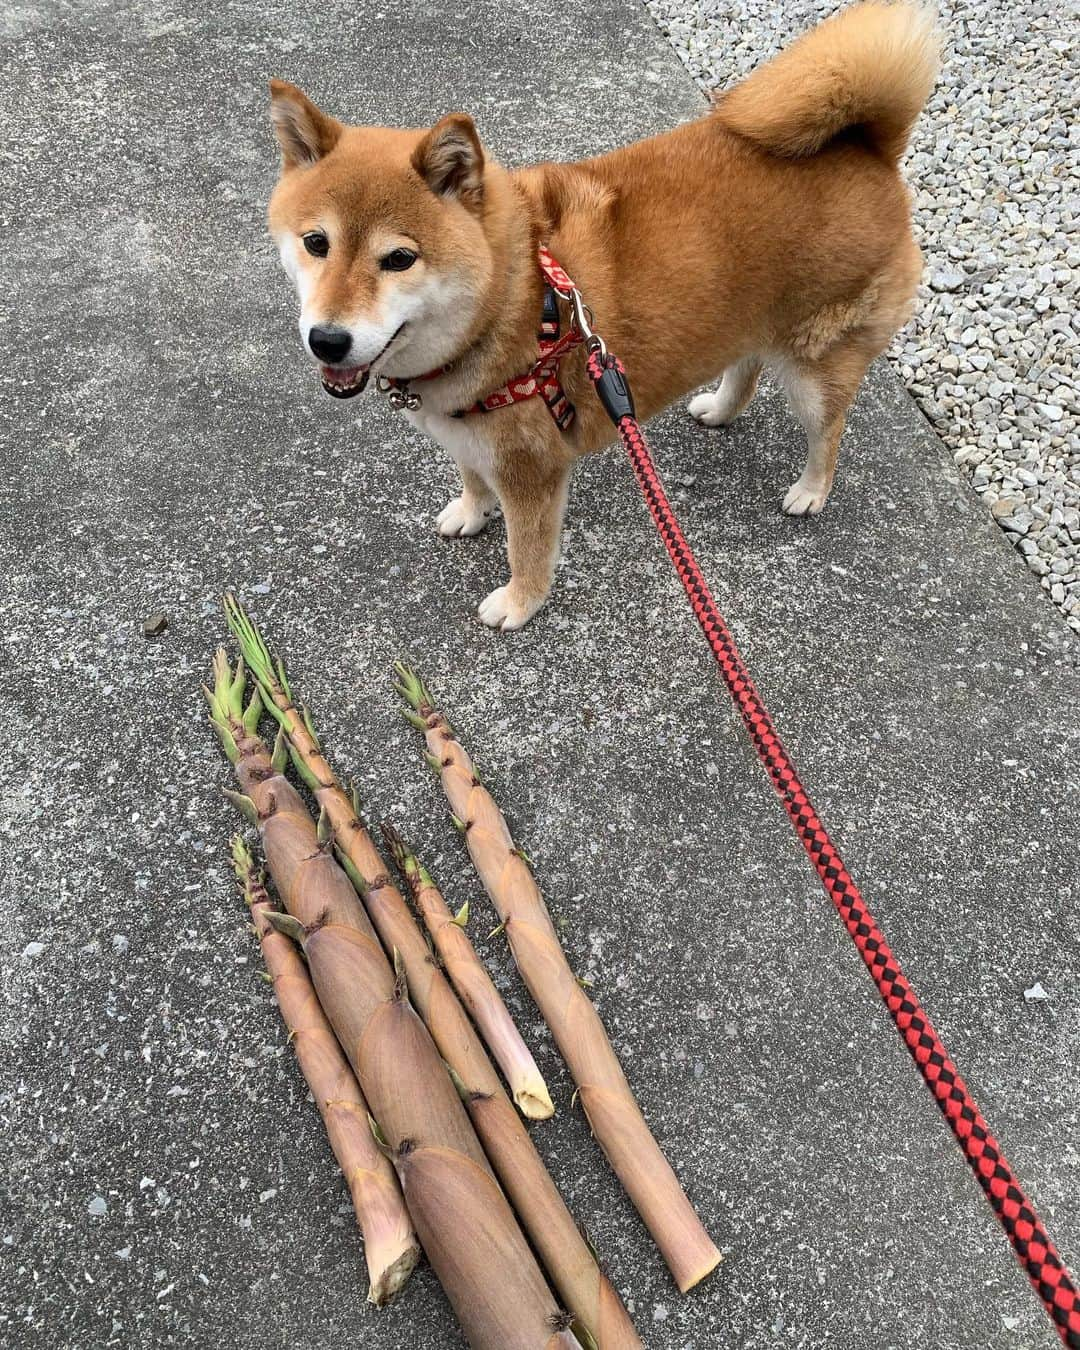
x: 463, y: 516
x: 711, y: 410
x: 504, y: 610
x: 805, y: 498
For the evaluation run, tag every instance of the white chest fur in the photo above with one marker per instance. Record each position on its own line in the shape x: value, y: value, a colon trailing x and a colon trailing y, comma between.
x: 463, y: 437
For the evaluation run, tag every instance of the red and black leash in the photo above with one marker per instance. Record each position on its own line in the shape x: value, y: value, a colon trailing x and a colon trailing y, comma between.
x: 1037, y: 1254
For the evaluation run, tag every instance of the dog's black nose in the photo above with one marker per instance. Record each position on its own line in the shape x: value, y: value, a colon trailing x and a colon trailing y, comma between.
x: 330, y: 344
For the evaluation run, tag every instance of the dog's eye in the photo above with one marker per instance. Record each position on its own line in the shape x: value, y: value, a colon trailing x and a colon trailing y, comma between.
x: 317, y: 243
x: 399, y: 261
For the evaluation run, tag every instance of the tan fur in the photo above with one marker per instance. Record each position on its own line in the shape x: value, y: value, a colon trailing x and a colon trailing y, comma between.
x: 774, y: 231
x: 450, y: 159
x: 870, y: 68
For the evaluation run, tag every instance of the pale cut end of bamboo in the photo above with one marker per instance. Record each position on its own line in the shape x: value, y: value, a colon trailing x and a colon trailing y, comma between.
x: 391, y: 1250
x: 614, y: 1115
x: 394, y: 1278
x: 568, y: 1257
x: 473, y: 984
x: 390, y: 1246
x: 534, y: 1101
x: 653, y: 1187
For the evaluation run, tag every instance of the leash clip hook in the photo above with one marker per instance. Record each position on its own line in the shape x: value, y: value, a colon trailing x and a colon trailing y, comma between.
x: 583, y: 320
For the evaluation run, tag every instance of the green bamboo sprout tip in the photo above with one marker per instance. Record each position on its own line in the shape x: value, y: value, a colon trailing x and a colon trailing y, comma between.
x: 307, y: 721
x: 252, y: 644
x: 244, y: 630
x: 411, y: 687
x: 414, y: 719
x: 249, y: 877
x: 399, y: 850
x: 223, y: 705
x: 406, y: 860
x: 253, y: 712
x: 241, y: 856
x: 226, y: 701
x: 224, y: 734
x: 269, y: 670
x: 283, y: 679
x: 223, y: 679
x: 243, y: 804
x: 279, y: 760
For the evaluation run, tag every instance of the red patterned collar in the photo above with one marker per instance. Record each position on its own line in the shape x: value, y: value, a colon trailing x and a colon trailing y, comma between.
x: 542, y: 377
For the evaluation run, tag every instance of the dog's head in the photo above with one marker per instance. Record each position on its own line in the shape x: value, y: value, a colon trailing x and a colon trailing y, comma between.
x: 382, y: 233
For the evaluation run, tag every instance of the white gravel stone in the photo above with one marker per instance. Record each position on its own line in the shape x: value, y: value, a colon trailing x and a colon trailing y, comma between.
x: 992, y: 354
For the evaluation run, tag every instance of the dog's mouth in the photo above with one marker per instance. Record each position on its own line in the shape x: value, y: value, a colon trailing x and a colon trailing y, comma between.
x: 345, y: 381
x: 348, y: 381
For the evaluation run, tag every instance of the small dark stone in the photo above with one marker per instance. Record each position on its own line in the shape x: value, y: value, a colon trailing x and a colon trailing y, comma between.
x: 155, y: 625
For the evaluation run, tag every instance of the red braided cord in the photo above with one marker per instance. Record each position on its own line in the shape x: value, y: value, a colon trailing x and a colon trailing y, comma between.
x: 1035, y: 1251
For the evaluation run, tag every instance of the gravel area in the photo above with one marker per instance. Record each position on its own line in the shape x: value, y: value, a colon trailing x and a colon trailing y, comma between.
x: 992, y: 354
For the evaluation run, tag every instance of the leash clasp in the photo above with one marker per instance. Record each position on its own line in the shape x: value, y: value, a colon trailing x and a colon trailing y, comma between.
x: 583, y: 321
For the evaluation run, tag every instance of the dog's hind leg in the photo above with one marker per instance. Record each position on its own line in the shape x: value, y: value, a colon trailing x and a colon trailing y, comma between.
x: 726, y: 403
x: 469, y: 513
x: 820, y: 393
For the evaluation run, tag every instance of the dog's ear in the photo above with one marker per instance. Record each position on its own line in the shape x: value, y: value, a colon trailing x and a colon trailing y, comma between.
x: 450, y: 159
x: 304, y: 132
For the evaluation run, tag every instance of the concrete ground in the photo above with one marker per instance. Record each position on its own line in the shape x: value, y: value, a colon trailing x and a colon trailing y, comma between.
x: 165, y: 1180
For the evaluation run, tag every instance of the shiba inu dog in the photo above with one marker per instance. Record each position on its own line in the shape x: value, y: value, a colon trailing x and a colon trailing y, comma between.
x: 774, y: 231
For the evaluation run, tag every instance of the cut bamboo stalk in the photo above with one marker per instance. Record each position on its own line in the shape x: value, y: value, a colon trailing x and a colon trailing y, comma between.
x: 612, y: 1112
x: 473, y: 984
x: 390, y: 1246
x: 564, y: 1252
x: 463, y: 1220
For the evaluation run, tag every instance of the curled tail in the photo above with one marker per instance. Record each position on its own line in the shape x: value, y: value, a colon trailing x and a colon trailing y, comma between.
x: 866, y: 71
